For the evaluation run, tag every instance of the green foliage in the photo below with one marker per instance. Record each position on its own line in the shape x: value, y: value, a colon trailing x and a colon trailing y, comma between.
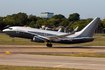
x: 32, y: 18
x: 85, y: 54
x: 102, y: 24
x: 6, y: 40
x: 40, y: 22
x: 89, y: 20
x: 1, y: 18
x: 2, y: 24
x: 7, y: 67
x: 64, y: 23
x: 60, y: 16
x: 54, y: 22
x: 21, y: 19
x: 74, y: 17
x: 32, y: 24
x: 80, y: 23
x: 16, y: 19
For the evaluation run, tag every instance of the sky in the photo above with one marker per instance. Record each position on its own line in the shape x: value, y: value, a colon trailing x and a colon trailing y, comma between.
x: 85, y: 8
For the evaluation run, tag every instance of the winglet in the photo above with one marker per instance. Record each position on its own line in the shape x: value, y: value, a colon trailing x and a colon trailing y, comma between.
x: 59, y: 30
x: 75, y: 30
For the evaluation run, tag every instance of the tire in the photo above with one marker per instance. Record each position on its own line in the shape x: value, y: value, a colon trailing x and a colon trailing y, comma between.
x: 49, y: 45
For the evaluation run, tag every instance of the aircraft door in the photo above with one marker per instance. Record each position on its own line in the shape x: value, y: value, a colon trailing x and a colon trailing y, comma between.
x: 17, y: 30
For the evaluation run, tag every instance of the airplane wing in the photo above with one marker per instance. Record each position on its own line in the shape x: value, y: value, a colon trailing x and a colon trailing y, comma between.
x: 51, y: 37
x: 55, y: 37
x: 58, y: 37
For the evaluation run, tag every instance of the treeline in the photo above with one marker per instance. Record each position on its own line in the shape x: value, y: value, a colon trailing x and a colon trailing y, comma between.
x: 21, y: 19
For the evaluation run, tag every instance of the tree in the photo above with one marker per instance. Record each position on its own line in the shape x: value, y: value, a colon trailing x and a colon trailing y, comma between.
x: 58, y: 16
x: 64, y: 23
x: 89, y: 20
x: 1, y: 23
x: 32, y: 18
x: 74, y: 17
x: 9, y: 20
x: 1, y: 18
x: 40, y: 22
x: 81, y: 25
x: 32, y: 24
x: 21, y: 18
x: 54, y: 22
x: 103, y: 23
x: 16, y: 19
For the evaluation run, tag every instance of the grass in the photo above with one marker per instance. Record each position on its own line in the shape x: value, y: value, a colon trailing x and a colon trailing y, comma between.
x: 6, y: 67
x: 74, y: 55
x: 6, y: 40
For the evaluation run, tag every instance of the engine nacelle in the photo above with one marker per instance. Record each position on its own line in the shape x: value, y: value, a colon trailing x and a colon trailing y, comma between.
x: 38, y: 39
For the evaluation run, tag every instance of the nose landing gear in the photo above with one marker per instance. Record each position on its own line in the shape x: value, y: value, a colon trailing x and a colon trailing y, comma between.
x: 13, y: 39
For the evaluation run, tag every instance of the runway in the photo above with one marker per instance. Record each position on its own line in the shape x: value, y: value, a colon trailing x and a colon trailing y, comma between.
x: 15, y: 58
x: 54, y: 49
x: 53, y: 61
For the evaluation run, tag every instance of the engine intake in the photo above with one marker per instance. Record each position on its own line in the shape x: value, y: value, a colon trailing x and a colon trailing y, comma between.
x: 38, y: 39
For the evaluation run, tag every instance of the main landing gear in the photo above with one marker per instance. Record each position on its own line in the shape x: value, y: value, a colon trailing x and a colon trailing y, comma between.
x: 49, y: 44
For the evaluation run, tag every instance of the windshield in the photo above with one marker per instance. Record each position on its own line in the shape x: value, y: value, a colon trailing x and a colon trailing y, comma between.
x: 9, y: 28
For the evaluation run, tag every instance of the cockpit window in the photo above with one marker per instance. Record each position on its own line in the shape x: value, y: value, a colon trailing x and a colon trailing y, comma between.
x: 10, y: 28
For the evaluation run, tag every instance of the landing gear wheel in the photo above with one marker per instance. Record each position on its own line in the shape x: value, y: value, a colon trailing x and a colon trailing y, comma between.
x: 49, y: 45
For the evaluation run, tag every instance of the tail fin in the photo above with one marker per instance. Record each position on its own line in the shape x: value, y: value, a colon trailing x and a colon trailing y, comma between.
x: 89, y: 30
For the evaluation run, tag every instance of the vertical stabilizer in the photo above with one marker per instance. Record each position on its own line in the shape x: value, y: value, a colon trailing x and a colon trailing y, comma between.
x: 89, y: 30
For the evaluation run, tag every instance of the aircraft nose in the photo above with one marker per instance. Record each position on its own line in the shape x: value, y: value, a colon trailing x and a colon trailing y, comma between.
x: 4, y: 30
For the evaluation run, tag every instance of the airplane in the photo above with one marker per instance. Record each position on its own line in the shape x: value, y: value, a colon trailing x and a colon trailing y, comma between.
x: 39, y: 35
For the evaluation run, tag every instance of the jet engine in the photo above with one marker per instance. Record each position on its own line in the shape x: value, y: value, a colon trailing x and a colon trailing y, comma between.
x: 38, y: 39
